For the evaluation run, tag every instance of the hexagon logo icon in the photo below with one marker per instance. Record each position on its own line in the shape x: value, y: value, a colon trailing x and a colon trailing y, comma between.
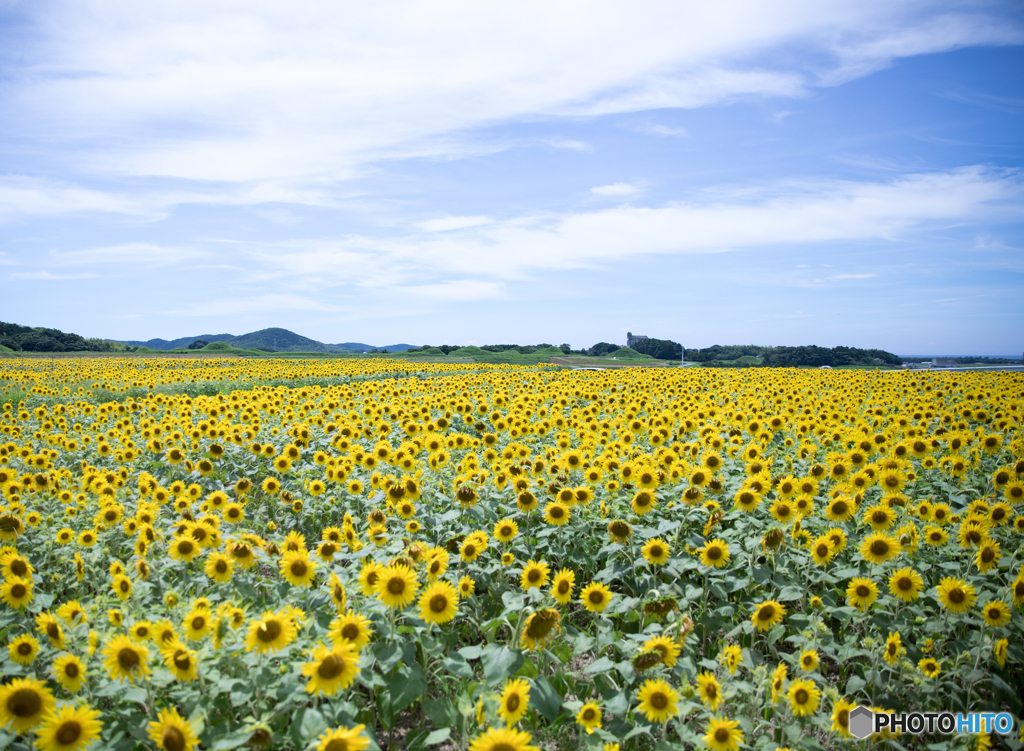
x: 862, y: 721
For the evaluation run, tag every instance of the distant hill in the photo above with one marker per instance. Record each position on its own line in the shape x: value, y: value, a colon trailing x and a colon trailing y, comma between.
x: 273, y: 340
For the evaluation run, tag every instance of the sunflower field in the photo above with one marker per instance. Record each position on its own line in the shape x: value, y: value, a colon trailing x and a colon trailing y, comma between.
x: 341, y: 555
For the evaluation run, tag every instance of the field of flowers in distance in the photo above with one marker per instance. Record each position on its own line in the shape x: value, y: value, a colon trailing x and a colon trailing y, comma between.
x: 381, y: 554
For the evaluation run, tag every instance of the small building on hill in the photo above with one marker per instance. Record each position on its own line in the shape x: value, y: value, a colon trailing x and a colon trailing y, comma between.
x: 632, y: 338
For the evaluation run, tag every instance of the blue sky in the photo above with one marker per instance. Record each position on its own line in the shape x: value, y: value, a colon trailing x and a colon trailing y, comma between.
x: 456, y: 172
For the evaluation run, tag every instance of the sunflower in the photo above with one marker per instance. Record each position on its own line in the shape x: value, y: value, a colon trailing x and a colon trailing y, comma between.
x: 767, y: 614
x: 893, y: 648
x: 668, y: 649
x: 935, y: 536
x: 350, y: 627
x: 271, y: 632
x: 369, y: 576
x: 709, y: 690
x: 619, y: 531
x: 746, y: 500
x: 841, y: 717
x: 16, y: 592
x: 467, y: 586
x: 906, y: 584
x: 879, y: 547
x: 589, y: 717
x: 715, y: 553
x: 69, y: 671
x: 657, y: 700
x: 643, y: 502
x: 184, y: 549
x: 656, y: 552
x: 723, y: 735
x: 23, y: 703
x: 1018, y: 590
x: 987, y: 557
x: 840, y: 510
x: 930, y: 666
x: 562, y: 585
x: 821, y: 550
x: 880, y: 517
x: 731, y: 656
x: 535, y: 574
x: 514, y: 701
x: 540, y: 628
x: 23, y: 649
x: 181, y: 661
x: 861, y: 593
x: 803, y: 697
x: 439, y: 602
x: 498, y: 739
x: 343, y: 739
x: 196, y: 624
x: 809, y: 660
x: 595, y: 597
x: 397, y: 586
x: 69, y: 728
x: 171, y: 732
x: 218, y: 567
x: 297, y: 568
x: 506, y: 530
x: 955, y: 595
x: 999, y: 651
x: 996, y: 613
x: 782, y: 511
x: 125, y: 660
x: 557, y: 513
x: 333, y: 669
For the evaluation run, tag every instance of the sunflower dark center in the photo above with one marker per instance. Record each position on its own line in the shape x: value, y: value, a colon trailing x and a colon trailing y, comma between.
x: 173, y: 739
x: 128, y: 658
x: 801, y: 696
x: 659, y: 700
x: 957, y: 596
x: 766, y: 613
x: 331, y: 667
x: 438, y: 603
x: 268, y: 631
x: 879, y: 547
x: 396, y: 585
x: 512, y: 703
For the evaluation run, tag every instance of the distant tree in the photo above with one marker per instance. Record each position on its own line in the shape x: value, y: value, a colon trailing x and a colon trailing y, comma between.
x: 602, y: 348
x: 566, y: 348
x: 198, y: 344
x: 384, y: 352
x: 663, y: 349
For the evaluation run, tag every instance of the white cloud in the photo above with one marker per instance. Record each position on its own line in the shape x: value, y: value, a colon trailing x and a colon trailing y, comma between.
x: 258, y: 102
x: 853, y: 276
x: 144, y: 254
x: 616, y: 190
x: 46, y: 276
x: 663, y: 130
x: 27, y: 196
x: 255, y: 304
x: 749, y: 217
x: 453, y: 222
x: 566, y: 143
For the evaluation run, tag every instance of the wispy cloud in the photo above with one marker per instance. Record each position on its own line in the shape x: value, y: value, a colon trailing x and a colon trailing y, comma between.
x: 566, y: 143
x: 46, y: 276
x: 657, y: 129
x: 853, y: 276
x: 448, y: 223
x: 147, y: 254
x: 616, y: 190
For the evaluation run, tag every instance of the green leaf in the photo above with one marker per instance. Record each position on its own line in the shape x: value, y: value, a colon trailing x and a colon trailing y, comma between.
x: 500, y: 663
x: 776, y: 633
x: 438, y: 736
x: 456, y: 664
x: 600, y: 665
x: 388, y: 655
x: 789, y: 594
x: 545, y: 698
x: 471, y: 653
x: 440, y: 711
x: 855, y: 684
x: 231, y: 740
x: 406, y: 686
x: 312, y: 725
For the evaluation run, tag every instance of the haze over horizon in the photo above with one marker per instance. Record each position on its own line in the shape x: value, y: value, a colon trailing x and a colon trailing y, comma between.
x: 798, y: 173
